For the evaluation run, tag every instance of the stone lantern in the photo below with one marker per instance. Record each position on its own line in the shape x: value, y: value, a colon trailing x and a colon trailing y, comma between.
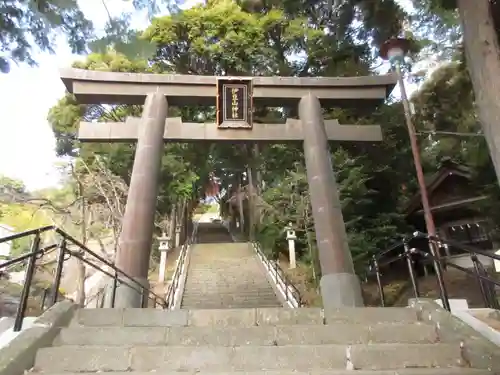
x: 164, y: 247
x: 291, y: 237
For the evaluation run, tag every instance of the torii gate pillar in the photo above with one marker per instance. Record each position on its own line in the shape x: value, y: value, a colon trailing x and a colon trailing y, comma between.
x: 234, y: 98
x: 339, y: 284
x: 136, y: 237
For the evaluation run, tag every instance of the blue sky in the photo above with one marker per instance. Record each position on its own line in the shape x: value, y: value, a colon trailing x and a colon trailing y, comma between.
x: 26, y: 95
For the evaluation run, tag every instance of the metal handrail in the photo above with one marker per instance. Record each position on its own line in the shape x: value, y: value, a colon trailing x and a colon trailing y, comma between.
x: 179, y: 268
x: 485, y: 282
x: 26, y: 233
x: 467, y: 248
x: 292, y: 294
x: 95, y: 297
x: 170, y: 296
x: 118, y: 272
x: 14, y: 262
x: 118, y: 276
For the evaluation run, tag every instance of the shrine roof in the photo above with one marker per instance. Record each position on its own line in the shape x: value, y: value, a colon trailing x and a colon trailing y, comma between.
x: 97, y: 87
x: 435, y: 181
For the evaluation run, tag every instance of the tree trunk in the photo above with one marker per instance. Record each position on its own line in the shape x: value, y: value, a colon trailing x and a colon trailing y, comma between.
x: 257, y: 182
x: 482, y: 54
x: 80, y: 267
x: 172, y: 225
x: 251, y: 204
x: 240, y: 208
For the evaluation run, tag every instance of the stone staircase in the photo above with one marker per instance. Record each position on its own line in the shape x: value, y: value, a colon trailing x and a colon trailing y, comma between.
x: 361, y: 341
x: 212, y: 233
x: 225, y: 274
x: 202, y: 339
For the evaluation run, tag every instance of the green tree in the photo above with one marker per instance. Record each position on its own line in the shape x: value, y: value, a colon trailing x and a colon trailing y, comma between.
x: 34, y: 24
x: 291, y: 38
x: 479, y: 33
x: 445, y: 105
x: 31, y: 24
x: 10, y: 186
x: 21, y: 217
x: 180, y: 161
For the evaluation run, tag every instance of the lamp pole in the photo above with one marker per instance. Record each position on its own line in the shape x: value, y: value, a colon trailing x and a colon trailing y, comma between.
x: 394, y: 50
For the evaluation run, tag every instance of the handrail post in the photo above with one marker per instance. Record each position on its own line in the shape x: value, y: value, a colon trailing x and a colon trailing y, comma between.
x: 100, y: 298
x: 486, y: 286
x: 475, y: 262
x: 436, y: 260
x: 44, y: 298
x: 411, y: 270
x: 379, y: 281
x: 113, y: 289
x: 442, y: 246
x: 58, y: 274
x: 144, y: 298
x: 495, y: 302
x: 30, y: 270
x: 276, y: 270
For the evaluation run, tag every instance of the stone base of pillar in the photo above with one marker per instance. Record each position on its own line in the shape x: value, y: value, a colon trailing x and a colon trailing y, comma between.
x: 125, y: 296
x: 340, y: 290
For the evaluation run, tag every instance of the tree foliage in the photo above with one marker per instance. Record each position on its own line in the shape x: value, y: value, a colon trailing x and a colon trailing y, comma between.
x: 28, y: 26
x: 24, y: 25
x: 290, y: 38
x: 180, y: 161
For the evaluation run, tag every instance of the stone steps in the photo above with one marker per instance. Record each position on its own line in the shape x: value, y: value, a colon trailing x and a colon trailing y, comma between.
x: 243, y: 296
x: 408, y: 371
x: 244, y: 293
x: 262, y: 341
x: 422, y: 340
x: 336, y: 333
x: 248, y: 290
x: 226, y: 275
x: 214, y: 305
x: 212, y: 233
x: 241, y: 317
x: 230, y: 304
x: 214, y: 276
x: 247, y: 358
x: 250, y: 277
x: 220, y: 298
x: 222, y: 264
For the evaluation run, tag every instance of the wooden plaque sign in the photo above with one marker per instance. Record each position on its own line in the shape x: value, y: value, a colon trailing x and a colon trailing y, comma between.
x: 234, y: 103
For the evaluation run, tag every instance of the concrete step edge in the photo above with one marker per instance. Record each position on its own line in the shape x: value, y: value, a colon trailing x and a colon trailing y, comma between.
x: 435, y: 346
x: 195, y: 297
x: 403, y: 371
x: 252, y: 358
x: 283, y: 335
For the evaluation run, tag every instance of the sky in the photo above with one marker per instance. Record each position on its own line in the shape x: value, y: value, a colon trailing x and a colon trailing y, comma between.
x: 27, y: 143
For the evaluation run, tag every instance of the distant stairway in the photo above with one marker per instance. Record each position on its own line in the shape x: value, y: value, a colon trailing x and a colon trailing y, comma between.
x: 212, y: 233
x: 224, y: 274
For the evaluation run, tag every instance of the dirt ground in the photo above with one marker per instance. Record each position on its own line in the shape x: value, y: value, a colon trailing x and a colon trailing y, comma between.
x: 492, y: 319
x: 302, y: 278
x: 9, y: 300
x: 397, y: 292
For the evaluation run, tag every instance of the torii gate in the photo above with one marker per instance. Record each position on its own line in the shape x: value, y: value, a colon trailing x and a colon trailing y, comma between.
x: 234, y: 98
